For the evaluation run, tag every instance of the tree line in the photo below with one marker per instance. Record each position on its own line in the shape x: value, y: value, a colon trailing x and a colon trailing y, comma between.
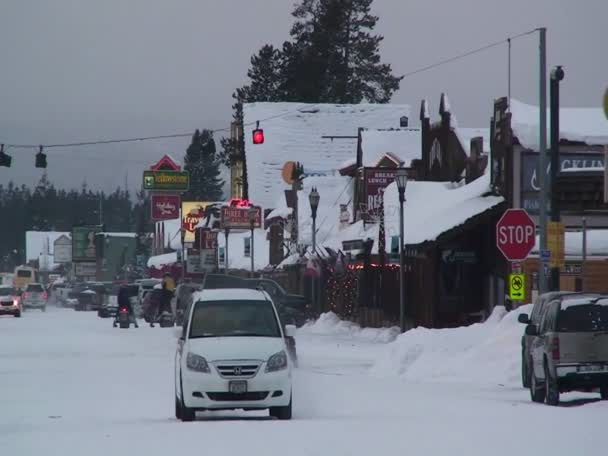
x: 47, y: 208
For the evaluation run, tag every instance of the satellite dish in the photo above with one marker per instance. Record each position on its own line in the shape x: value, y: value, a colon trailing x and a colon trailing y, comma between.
x: 288, y: 169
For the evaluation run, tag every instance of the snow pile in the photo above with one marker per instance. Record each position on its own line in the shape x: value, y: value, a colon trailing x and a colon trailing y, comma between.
x: 587, y: 125
x: 329, y: 324
x: 485, y: 353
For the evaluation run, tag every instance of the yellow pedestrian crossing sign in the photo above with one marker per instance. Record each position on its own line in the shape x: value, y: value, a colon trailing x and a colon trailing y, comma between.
x: 517, y: 287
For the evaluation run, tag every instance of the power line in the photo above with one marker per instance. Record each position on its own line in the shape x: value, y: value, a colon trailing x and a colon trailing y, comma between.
x: 468, y: 53
x: 143, y: 138
x: 439, y: 63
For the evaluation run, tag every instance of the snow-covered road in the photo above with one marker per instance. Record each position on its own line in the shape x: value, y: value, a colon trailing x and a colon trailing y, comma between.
x: 70, y: 384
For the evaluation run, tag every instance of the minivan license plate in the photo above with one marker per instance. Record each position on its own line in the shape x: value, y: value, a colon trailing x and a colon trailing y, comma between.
x: 238, y: 387
x: 592, y: 368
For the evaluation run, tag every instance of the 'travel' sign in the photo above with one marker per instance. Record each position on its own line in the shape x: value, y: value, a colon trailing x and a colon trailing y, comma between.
x: 192, y: 214
x: 165, y: 207
x: 515, y: 234
x: 237, y: 218
x: 176, y: 181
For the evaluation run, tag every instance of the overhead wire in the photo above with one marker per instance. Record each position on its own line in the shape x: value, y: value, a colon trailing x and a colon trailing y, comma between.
x: 425, y: 68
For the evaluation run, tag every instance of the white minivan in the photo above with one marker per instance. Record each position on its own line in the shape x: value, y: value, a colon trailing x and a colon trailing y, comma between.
x: 232, y: 355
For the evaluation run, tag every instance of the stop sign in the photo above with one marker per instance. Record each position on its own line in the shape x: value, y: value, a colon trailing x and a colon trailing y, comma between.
x: 515, y: 234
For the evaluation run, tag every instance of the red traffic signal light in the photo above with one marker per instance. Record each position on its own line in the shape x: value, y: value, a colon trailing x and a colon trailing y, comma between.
x: 258, y: 136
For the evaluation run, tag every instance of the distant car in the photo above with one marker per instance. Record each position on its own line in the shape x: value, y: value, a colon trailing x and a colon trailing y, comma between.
x: 569, y: 350
x: 232, y: 355
x: 109, y: 304
x: 182, y: 299
x: 10, y: 301
x: 34, y: 297
x: 534, y: 319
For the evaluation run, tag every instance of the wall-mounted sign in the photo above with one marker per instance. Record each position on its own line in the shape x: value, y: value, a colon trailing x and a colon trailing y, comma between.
x: 83, y: 243
x: 530, y: 185
x: 165, y: 206
x: 62, y: 249
x: 85, y: 269
x: 375, y: 180
x: 192, y: 214
x: 175, y: 181
x: 237, y: 218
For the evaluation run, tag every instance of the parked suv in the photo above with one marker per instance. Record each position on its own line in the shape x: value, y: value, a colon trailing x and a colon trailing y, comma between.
x: 569, y: 350
x: 34, y: 297
x: 534, y: 319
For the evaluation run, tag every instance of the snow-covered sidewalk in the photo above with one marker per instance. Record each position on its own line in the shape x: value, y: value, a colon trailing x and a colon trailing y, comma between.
x: 70, y: 384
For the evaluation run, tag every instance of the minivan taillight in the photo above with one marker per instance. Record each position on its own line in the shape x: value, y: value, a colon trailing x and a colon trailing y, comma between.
x: 555, y: 348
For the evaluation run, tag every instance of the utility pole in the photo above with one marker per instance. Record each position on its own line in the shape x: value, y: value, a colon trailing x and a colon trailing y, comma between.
x: 542, y: 162
x: 557, y: 74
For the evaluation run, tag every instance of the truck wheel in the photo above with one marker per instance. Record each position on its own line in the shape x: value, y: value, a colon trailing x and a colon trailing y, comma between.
x: 537, y: 392
x: 18, y: 315
x: 604, y: 392
x: 551, y: 389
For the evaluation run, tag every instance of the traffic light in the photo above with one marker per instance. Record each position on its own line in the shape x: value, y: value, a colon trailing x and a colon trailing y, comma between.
x: 40, y: 159
x: 258, y: 134
x: 5, y: 160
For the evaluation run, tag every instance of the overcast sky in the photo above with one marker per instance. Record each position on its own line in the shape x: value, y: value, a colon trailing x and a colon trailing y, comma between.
x: 73, y: 70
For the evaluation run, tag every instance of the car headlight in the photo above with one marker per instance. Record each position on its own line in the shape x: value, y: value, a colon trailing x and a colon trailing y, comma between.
x: 277, y: 362
x: 197, y: 363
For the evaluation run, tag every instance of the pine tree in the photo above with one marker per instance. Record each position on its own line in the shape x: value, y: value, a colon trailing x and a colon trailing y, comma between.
x: 203, y: 164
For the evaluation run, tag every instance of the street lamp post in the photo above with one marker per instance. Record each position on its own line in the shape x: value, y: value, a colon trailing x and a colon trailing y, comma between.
x: 314, y: 198
x: 401, y: 179
x: 252, y: 215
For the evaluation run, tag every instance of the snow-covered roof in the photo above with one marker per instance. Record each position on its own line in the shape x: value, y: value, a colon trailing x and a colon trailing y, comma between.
x: 452, y: 206
x: 282, y: 212
x: 333, y: 191
x: 586, y: 125
x: 404, y: 143
x: 129, y: 235
x: 36, y: 243
x: 293, y: 131
x: 159, y: 261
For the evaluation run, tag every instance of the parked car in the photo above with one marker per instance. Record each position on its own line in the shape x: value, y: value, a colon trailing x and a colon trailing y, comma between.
x: 10, y: 301
x: 232, y: 355
x: 34, y: 297
x: 182, y: 298
x: 296, y: 308
x: 534, y: 318
x: 569, y: 349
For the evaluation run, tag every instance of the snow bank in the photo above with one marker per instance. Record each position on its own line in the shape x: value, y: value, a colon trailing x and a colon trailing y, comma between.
x: 484, y: 353
x: 329, y: 324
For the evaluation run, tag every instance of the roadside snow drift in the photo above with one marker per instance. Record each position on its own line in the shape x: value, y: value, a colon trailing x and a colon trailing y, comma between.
x: 329, y: 324
x: 483, y: 353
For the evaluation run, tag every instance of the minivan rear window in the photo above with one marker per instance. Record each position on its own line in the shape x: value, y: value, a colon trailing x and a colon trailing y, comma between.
x: 34, y: 288
x: 583, y: 318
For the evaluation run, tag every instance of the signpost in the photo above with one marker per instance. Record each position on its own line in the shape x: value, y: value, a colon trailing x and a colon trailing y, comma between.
x: 555, y: 244
x: 62, y: 249
x: 174, y: 181
x: 517, y: 287
x: 83, y: 243
x: 515, y: 234
x: 237, y: 218
x: 164, y: 206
